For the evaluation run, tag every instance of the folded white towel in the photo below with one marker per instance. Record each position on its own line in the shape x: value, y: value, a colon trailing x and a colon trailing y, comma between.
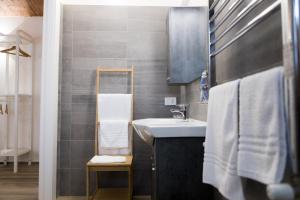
x: 115, y: 107
x: 220, y: 158
x: 113, y: 134
x: 262, y: 142
x: 108, y: 159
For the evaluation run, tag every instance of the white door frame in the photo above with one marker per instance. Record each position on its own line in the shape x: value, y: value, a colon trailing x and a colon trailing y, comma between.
x: 49, y: 81
x: 49, y: 100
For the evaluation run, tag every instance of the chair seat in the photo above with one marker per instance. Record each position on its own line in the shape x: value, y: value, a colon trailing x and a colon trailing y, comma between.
x: 127, y: 163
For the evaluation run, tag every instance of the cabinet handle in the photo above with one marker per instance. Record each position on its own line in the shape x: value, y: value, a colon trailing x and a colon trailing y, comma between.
x: 153, y: 169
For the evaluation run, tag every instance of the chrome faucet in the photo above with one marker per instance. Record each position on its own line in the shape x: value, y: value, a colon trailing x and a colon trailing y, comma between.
x: 182, y: 110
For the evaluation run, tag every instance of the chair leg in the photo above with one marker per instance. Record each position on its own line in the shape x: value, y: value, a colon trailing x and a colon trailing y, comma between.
x: 130, y: 186
x: 131, y: 180
x: 87, y: 183
x: 97, y: 180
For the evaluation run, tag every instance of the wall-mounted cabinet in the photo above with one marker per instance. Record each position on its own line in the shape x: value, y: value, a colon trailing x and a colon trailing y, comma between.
x: 188, y: 43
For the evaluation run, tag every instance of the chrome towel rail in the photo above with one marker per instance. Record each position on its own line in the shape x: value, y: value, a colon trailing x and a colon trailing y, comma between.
x: 224, y: 3
x: 249, y: 26
x: 214, y: 5
x: 238, y: 18
x: 231, y: 9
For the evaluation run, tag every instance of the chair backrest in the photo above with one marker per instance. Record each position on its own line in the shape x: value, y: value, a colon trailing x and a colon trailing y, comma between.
x: 114, y: 107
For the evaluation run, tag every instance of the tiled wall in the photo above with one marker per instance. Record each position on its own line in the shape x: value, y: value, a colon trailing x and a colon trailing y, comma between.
x: 198, y: 110
x: 112, y: 37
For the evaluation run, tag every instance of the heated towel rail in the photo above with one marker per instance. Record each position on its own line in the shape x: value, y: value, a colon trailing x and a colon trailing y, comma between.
x: 251, y: 36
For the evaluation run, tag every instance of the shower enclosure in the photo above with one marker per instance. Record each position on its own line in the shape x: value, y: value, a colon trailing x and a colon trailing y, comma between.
x: 16, y: 64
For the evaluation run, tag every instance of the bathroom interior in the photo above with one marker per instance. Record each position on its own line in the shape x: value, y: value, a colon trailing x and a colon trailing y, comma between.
x: 160, y: 100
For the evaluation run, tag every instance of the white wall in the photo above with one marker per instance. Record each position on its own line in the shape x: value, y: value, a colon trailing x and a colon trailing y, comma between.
x: 36, y: 95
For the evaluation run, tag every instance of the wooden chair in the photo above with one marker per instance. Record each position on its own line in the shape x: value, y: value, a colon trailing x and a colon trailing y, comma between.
x: 111, y: 193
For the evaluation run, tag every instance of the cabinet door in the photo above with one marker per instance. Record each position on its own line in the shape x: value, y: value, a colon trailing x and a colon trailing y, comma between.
x: 155, y: 184
x: 178, y: 171
x: 188, y: 44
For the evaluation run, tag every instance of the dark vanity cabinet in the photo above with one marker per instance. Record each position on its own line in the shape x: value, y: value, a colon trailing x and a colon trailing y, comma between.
x: 188, y: 44
x: 177, y: 170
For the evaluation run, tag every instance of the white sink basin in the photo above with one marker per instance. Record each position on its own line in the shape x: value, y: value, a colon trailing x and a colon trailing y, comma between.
x: 151, y: 128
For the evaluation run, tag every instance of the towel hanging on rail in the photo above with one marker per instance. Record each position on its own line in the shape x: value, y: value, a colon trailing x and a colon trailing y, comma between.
x: 262, y: 144
x: 221, y: 142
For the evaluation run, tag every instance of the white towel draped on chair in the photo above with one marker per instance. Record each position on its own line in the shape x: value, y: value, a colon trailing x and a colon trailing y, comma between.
x: 114, y: 115
x: 113, y: 134
x: 115, y: 107
x: 220, y: 158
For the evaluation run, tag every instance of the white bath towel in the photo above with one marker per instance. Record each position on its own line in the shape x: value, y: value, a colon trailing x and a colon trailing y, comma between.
x: 262, y: 142
x: 115, y: 107
x: 220, y: 158
x: 113, y: 134
x: 108, y: 159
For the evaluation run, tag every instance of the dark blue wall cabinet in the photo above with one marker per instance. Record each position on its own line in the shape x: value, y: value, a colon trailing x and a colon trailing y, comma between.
x: 188, y: 43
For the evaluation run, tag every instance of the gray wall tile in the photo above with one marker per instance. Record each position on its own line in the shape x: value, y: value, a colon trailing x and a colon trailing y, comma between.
x: 84, y: 99
x: 83, y: 132
x: 66, y: 81
x: 83, y: 118
x: 67, y: 18
x: 147, y: 46
x: 65, y: 154
x: 78, y: 182
x: 66, y: 96
x: 66, y: 107
x: 93, y: 63
x: 193, y: 92
x: 65, y: 182
x: 101, y: 12
x: 148, y: 13
x: 67, y: 45
x: 84, y: 107
x: 94, y: 23
x: 83, y: 80
x: 103, y: 50
x: 198, y: 110
x: 138, y: 25
x: 66, y: 118
x: 66, y: 64
x: 105, y: 44
x: 111, y: 37
x: 65, y: 131
x: 81, y: 152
